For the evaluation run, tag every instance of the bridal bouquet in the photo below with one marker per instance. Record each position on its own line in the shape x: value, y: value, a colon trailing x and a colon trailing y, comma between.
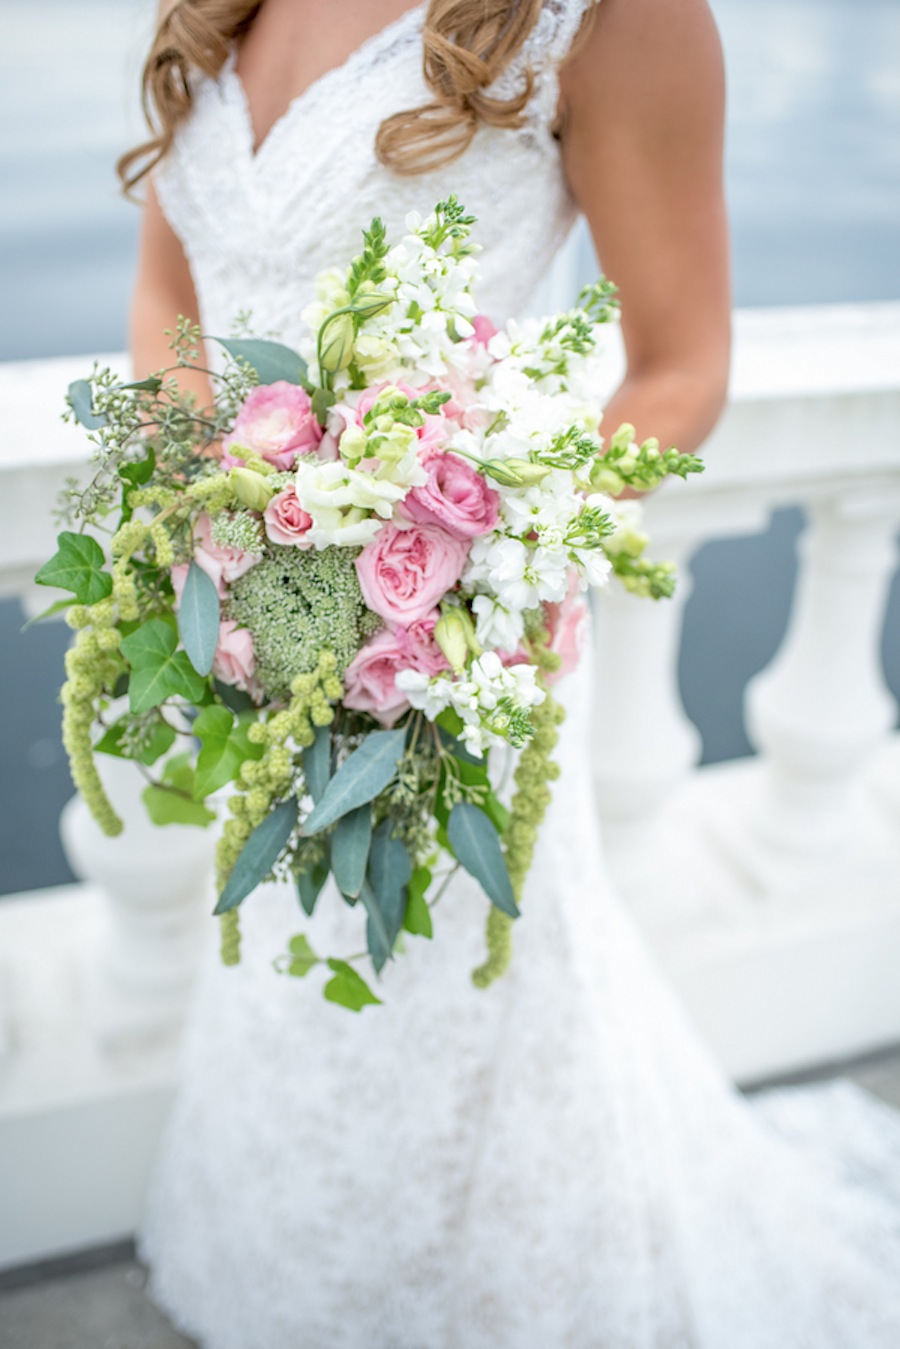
x: 329, y: 596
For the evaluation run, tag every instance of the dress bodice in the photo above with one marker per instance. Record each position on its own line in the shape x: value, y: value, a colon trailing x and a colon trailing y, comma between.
x: 257, y: 227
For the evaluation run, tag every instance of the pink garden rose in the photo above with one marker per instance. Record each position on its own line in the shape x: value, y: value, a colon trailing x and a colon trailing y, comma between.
x: 277, y: 422
x: 371, y: 676
x: 286, y: 521
x: 455, y: 496
x: 567, y: 624
x: 222, y: 565
x: 404, y: 572
x: 235, y: 661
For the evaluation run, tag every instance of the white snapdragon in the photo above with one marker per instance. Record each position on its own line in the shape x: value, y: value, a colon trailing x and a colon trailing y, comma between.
x: 348, y: 507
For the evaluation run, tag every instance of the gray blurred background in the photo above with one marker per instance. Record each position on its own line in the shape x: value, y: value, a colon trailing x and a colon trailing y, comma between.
x: 814, y: 191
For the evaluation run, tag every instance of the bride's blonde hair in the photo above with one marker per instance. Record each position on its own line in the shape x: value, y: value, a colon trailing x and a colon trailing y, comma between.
x: 466, y: 45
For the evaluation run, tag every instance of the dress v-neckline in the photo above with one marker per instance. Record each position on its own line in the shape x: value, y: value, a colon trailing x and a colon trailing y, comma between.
x: 230, y: 72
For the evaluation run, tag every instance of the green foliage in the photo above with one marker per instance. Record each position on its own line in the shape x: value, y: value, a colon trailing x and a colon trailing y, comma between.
x: 365, y: 773
x: 309, y: 885
x: 417, y: 918
x: 77, y: 565
x: 198, y: 619
x: 80, y: 400
x: 158, y: 670
x: 224, y: 747
x: 317, y: 763
x: 348, y: 988
x: 259, y: 855
x: 146, y: 741
x: 350, y: 849
x: 368, y: 266
x: 476, y: 846
x: 172, y: 801
x: 384, y: 896
x: 269, y: 361
x: 303, y: 957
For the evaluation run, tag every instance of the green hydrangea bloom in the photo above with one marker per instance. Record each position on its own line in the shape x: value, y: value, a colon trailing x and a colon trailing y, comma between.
x: 295, y: 603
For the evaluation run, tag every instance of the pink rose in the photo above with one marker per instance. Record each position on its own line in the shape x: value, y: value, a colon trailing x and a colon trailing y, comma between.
x: 370, y: 680
x: 222, y: 565
x: 286, y: 521
x: 235, y: 661
x: 277, y: 422
x: 455, y: 496
x: 404, y: 572
x: 567, y: 623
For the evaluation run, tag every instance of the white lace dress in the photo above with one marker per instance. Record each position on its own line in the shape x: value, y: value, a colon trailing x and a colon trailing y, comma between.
x: 556, y: 1162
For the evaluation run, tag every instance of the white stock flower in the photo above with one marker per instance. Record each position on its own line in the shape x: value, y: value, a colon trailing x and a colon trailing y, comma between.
x: 495, y: 625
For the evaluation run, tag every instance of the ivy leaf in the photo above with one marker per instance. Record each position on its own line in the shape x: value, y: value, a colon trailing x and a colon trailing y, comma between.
x: 80, y: 399
x: 303, y: 956
x: 159, y: 741
x: 224, y: 748
x: 476, y: 846
x: 198, y: 619
x: 348, y: 988
x: 350, y: 849
x: 309, y: 885
x: 136, y: 474
x: 236, y: 699
x: 259, y: 854
x: 272, y: 361
x: 417, y: 918
x: 77, y: 565
x: 317, y: 763
x: 365, y: 773
x: 173, y: 804
x: 158, y: 671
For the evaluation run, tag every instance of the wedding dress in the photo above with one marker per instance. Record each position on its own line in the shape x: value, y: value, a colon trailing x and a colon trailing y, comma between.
x: 556, y: 1162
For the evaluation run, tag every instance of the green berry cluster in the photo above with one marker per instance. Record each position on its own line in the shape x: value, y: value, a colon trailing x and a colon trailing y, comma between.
x: 535, y: 770
x: 92, y: 666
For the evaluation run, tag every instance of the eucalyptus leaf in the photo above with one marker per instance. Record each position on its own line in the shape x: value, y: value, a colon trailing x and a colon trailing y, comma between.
x: 57, y: 607
x: 350, y: 849
x: 80, y: 400
x: 384, y: 893
x: 309, y: 885
x: 365, y: 773
x: 259, y: 854
x: 476, y: 846
x: 77, y: 565
x: 272, y: 361
x: 317, y: 763
x: 348, y: 988
x: 198, y: 619
x: 158, y: 671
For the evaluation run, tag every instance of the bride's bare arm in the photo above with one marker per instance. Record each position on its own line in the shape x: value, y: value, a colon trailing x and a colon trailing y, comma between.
x: 163, y: 290
x: 642, y: 106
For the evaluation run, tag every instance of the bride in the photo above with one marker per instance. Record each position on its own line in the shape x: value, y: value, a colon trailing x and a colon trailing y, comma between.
x: 557, y: 1160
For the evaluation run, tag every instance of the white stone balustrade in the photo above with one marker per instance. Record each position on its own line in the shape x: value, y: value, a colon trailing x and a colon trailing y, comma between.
x: 768, y: 886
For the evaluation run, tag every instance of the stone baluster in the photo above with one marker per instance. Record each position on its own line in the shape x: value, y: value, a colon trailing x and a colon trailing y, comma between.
x: 644, y: 743
x: 157, y: 887
x: 822, y: 706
